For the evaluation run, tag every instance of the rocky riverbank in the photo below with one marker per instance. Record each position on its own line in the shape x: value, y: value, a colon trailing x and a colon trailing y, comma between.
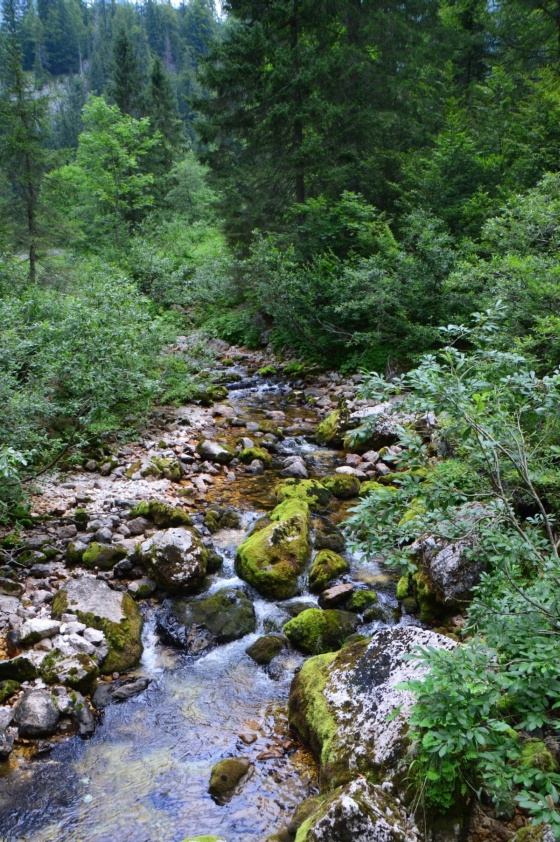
x: 217, y: 536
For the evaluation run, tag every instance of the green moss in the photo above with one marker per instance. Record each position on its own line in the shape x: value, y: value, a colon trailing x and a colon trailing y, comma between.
x: 395, y: 476
x: 73, y: 554
x: 416, y: 508
x: 82, y: 680
x: 226, y: 775
x: 310, y: 490
x: 309, y: 713
x: 430, y: 610
x: 81, y: 517
x: 294, y: 368
x: 315, y: 631
x: 531, y: 833
x: 327, y: 565
x: 372, y: 486
x: 104, y: 556
x: 59, y: 603
x: 343, y: 486
x: 360, y: 600
x: 249, y: 454
x: 123, y: 639
x: 263, y: 650
x: 272, y: 558
x: 403, y: 587
x: 161, y: 467
x: 8, y: 689
x: 161, y: 513
x: 329, y: 431
x: 267, y: 371
x: 535, y: 755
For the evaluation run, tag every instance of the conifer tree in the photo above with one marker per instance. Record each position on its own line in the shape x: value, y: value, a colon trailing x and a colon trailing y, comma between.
x: 22, y: 128
x: 125, y: 86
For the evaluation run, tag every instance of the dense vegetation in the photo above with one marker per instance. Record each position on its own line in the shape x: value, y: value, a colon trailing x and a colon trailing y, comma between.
x: 340, y: 179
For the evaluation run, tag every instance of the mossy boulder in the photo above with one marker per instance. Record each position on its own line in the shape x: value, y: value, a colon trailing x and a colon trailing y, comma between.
x: 358, y: 810
x: 161, y: 513
x: 343, y: 486
x: 19, y: 669
x: 371, y: 486
x: 326, y: 566
x: 8, y: 689
x: 113, y: 612
x: 311, y: 491
x: 316, y: 631
x: 159, y: 466
x: 535, y: 755
x: 175, y: 559
x: 349, y: 709
x: 196, y: 624
x: 78, y: 671
x: 265, y: 648
x: 331, y: 430
x: 361, y: 600
x: 249, y: 454
x: 226, y: 777
x: 103, y: 556
x: 272, y: 558
x: 221, y: 517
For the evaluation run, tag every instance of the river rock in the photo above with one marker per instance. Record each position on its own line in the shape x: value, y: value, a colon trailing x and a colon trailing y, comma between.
x: 158, y: 512
x: 175, y: 559
x: 344, y: 486
x: 358, y: 811
x: 197, y: 624
x: 6, y: 746
x: 118, y: 691
x: 327, y: 565
x: 295, y: 467
x: 8, y: 605
x: 310, y: 491
x: 265, y: 648
x: 6, y: 716
x: 341, y: 703
x: 21, y: 668
x: 102, y: 555
x: 78, y: 671
x: 271, y: 559
x: 214, y: 452
x: 38, y: 628
x: 82, y: 716
x: 315, y: 631
x: 226, y: 776
x: 36, y: 714
x: 336, y: 595
x: 113, y: 612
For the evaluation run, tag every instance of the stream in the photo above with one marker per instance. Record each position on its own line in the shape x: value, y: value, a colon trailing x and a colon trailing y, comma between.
x: 143, y: 776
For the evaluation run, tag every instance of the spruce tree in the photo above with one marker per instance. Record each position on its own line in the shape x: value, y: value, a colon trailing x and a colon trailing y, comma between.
x: 22, y: 128
x: 126, y: 84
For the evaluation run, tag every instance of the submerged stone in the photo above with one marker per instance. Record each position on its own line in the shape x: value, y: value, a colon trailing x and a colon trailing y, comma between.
x: 263, y: 650
x: 226, y: 776
x: 197, y: 624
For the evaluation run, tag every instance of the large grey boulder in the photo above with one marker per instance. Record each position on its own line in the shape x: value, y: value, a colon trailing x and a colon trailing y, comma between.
x: 358, y: 811
x: 36, y: 714
x: 175, y: 559
x: 341, y: 704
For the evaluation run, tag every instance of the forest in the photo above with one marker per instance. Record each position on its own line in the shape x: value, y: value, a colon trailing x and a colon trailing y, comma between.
x: 364, y: 189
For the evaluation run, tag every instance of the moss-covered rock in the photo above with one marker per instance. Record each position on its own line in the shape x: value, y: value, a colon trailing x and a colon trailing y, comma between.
x: 343, y: 486
x: 356, y: 811
x: 199, y: 623
x: 349, y: 708
x: 534, y: 833
x: 175, y: 559
x: 273, y: 558
x: 403, y: 587
x: 226, y: 777
x: 19, y: 669
x: 331, y: 431
x: 103, y: 556
x: 535, y: 755
x: 326, y: 566
x: 249, y: 454
x: 372, y: 486
x: 263, y: 650
x: 113, y: 612
x: 316, y: 631
x: 78, y: 671
x: 361, y: 600
x: 311, y: 491
x: 8, y: 689
x: 429, y: 607
x: 159, y: 466
x: 267, y: 371
x: 161, y: 513
x: 75, y: 551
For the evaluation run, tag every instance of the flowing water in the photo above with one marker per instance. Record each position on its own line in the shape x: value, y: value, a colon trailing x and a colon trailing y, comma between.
x: 143, y: 776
